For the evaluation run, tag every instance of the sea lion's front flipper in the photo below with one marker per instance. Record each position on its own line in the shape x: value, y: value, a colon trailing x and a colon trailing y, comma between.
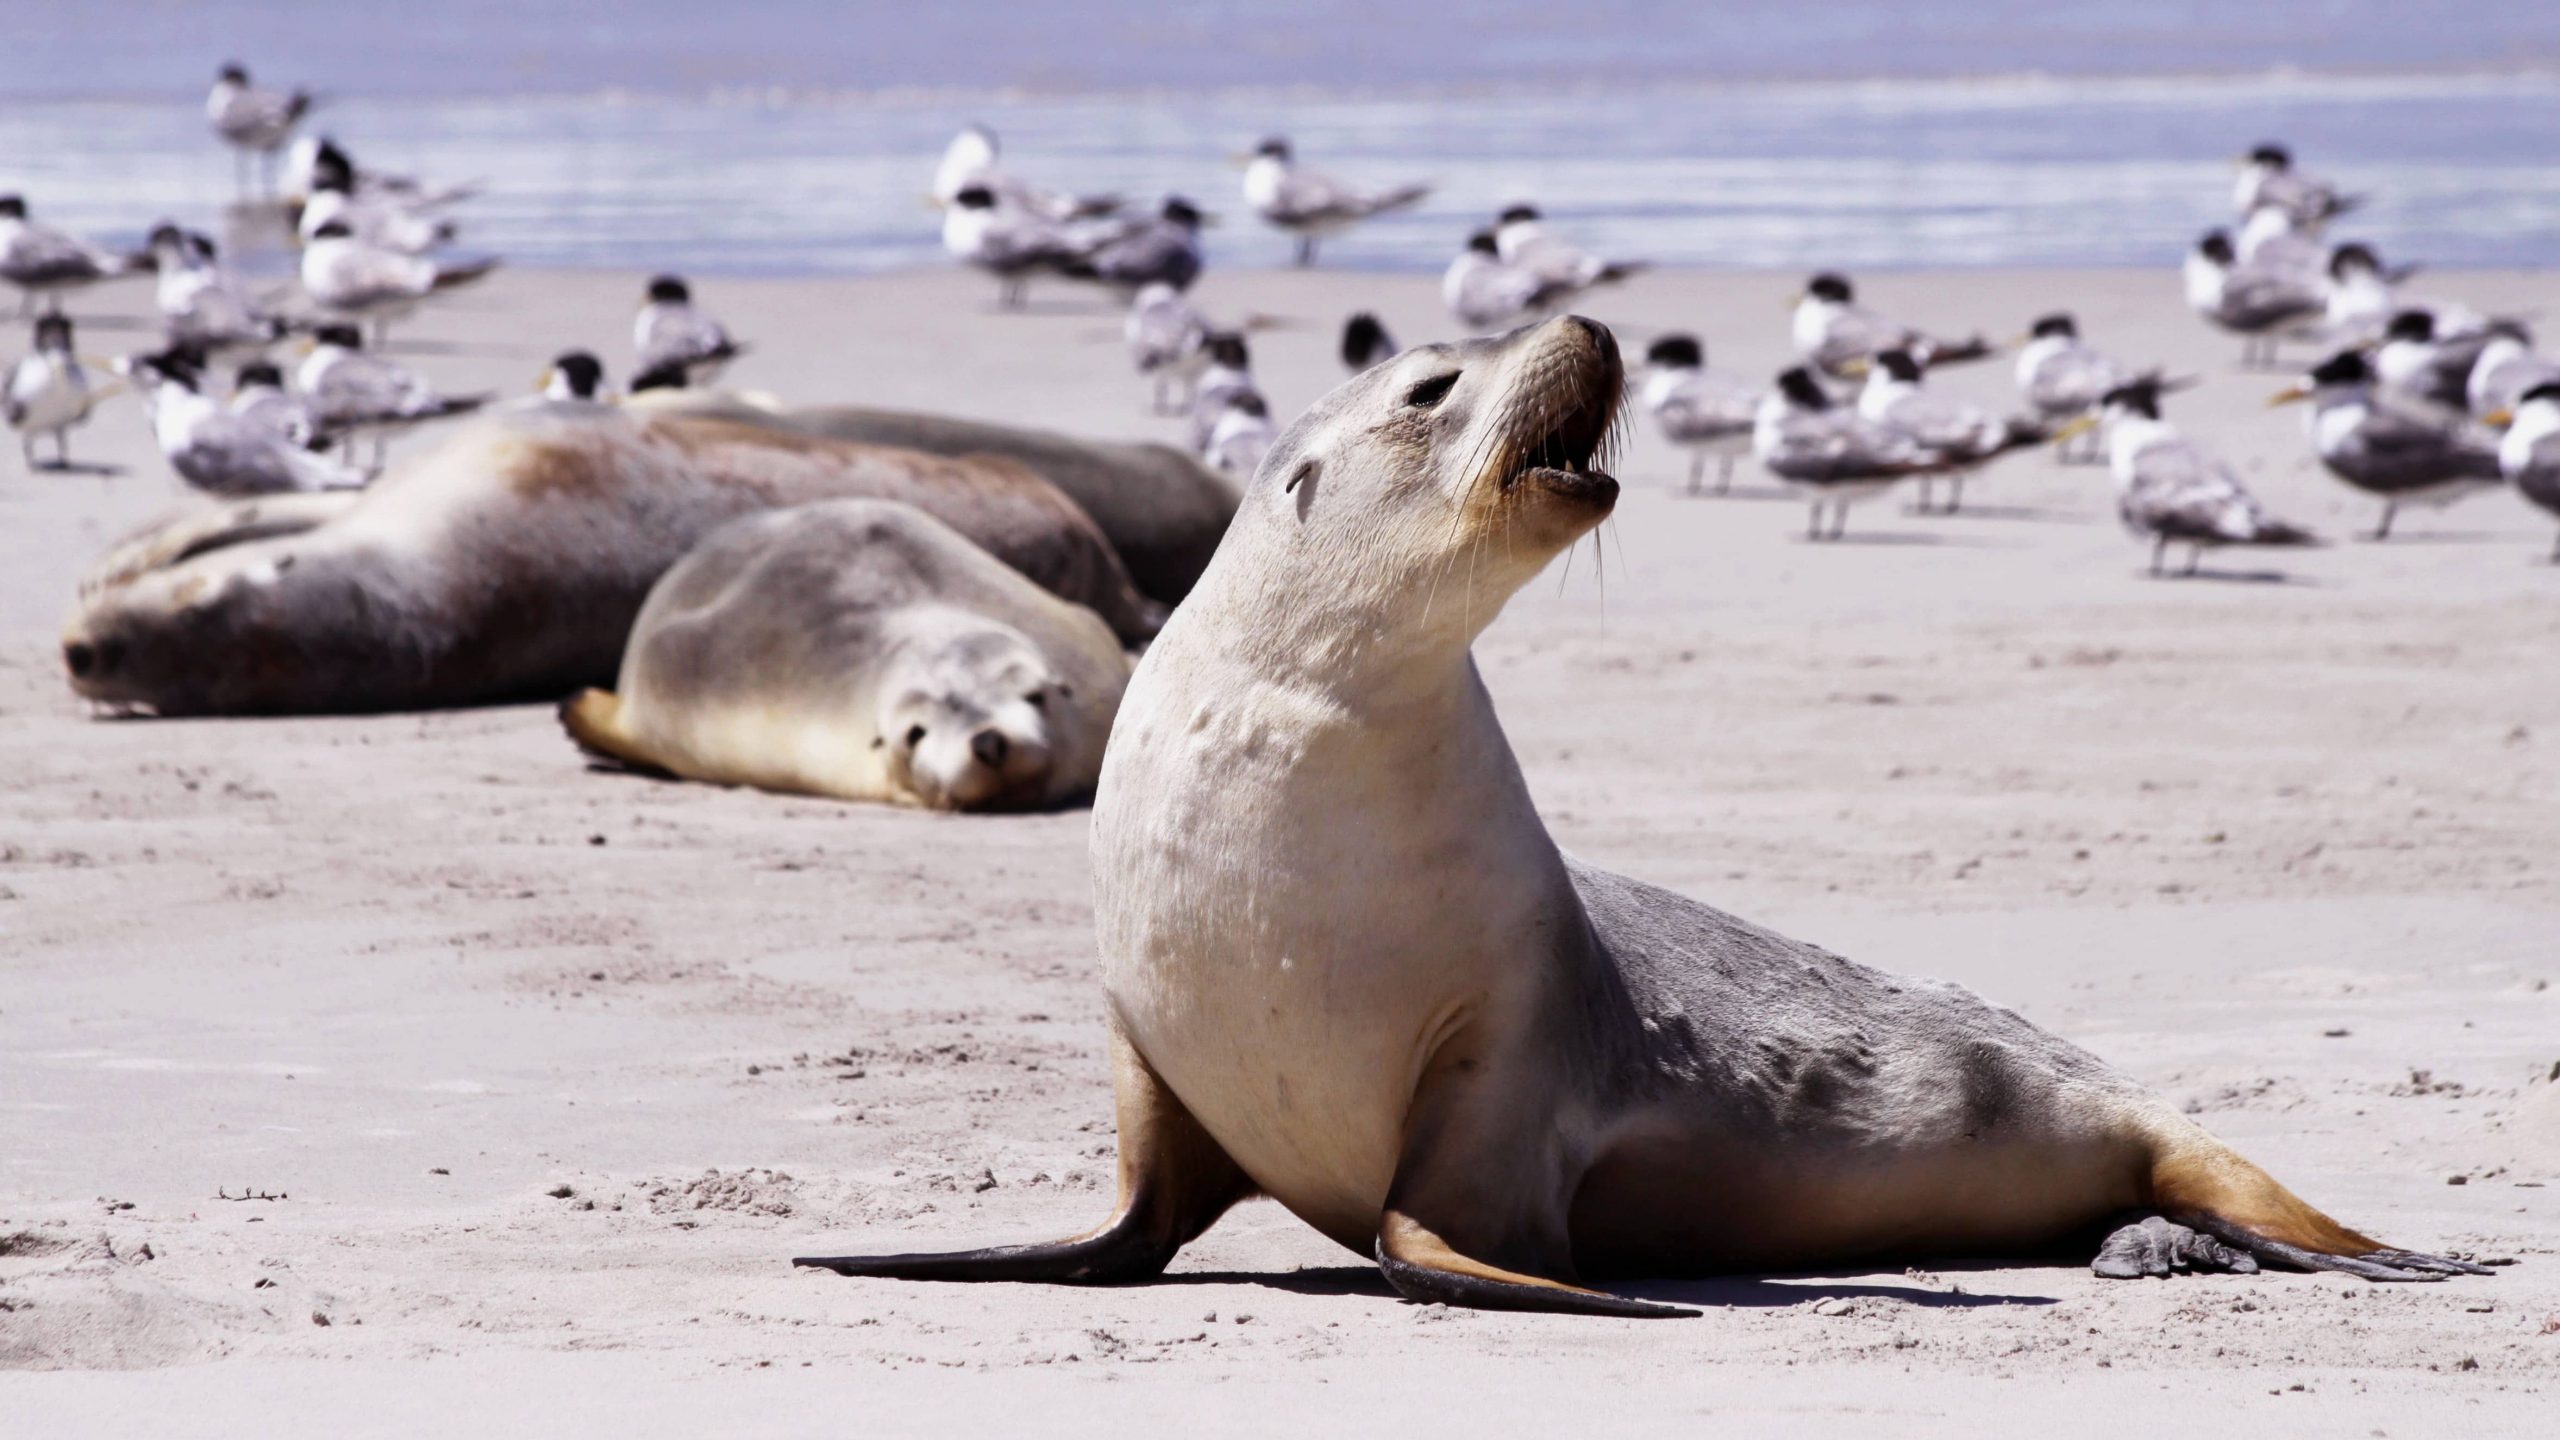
x: 1463, y: 1223
x: 1174, y: 1183
x: 1423, y: 1268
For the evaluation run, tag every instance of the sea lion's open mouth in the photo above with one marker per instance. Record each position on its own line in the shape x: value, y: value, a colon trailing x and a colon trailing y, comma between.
x: 1566, y: 415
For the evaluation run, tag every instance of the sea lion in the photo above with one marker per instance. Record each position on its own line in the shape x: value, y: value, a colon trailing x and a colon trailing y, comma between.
x: 1163, y: 510
x: 508, y: 563
x: 1347, y: 967
x: 865, y: 650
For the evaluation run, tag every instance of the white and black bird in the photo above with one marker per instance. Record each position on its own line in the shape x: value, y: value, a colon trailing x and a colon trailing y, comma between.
x: 1958, y: 434
x: 672, y: 331
x: 1228, y: 374
x: 2364, y: 295
x: 2529, y: 455
x: 310, y: 156
x: 215, y: 450
x: 1308, y: 204
x: 2506, y: 369
x: 1169, y: 343
x: 1523, y: 238
x: 2395, y: 452
x: 575, y: 375
x: 1826, y: 452
x: 258, y: 393
x: 971, y: 159
x: 255, y: 123
x: 1702, y: 411
x: 1365, y: 342
x: 2261, y: 305
x: 382, y: 221
x: 2271, y: 238
x: 1241, y: 436
x: 202, y: 305
x: 1164, y: 250
x: 2169, y: 489
x: 51, y: 391
x: 1487, y: 292
x: 353, y: 393
x: 359, y: 282
x: 2063, y: 377
x: 42, y: 261
x: 1010, y: 242
x: 2267, y: 178
x: 1837, y: 335
x: 2415, y: 363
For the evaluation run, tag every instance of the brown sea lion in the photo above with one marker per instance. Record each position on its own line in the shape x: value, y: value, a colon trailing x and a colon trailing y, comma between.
x: 509, y: 562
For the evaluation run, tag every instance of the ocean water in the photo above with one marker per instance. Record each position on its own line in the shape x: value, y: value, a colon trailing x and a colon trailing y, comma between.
x: 798, y: 139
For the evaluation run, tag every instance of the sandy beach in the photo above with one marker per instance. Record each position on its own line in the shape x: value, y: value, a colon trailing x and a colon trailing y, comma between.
x: 549, y: 1070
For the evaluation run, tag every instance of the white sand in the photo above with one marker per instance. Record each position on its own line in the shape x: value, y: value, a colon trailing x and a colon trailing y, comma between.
x: 2272, y: 847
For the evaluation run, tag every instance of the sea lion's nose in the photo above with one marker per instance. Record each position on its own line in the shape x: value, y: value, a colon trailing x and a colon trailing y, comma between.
x: 1597, y: 333
x: 79, y: 657
x: 990, y: 748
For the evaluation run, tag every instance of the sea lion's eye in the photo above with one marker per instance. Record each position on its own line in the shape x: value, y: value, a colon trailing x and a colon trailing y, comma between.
x: 1432, y: 391
x: 1038, y: 699
x: 915, y: 736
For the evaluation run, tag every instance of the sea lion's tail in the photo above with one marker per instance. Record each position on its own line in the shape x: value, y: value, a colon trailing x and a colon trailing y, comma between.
x: 593, y: 719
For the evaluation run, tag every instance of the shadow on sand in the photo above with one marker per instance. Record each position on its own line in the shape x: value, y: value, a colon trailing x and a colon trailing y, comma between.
x: 1750, y: 1292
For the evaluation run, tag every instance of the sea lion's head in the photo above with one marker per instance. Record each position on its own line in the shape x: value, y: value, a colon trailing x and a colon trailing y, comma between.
x: 1470, y: 463
x: 255, y: 628
x: 978, y: 719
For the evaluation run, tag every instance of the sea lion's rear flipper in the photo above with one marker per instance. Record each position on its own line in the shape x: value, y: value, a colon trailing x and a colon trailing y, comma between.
x: 1423, y: 1268
x: 2204, y: 1193
x: 593, y: 719
x: 1175, y: 1182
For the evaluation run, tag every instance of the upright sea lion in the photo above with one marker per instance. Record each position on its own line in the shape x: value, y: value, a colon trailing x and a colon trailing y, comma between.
x: 1348, y: 969
x: 861, y: 649
x: 1163, y: 510
x: 508, y: 563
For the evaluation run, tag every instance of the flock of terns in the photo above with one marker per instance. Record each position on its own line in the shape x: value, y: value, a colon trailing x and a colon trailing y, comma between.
x: 2415, y: 400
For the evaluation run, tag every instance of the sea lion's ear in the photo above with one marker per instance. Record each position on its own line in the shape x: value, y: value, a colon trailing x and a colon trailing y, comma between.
x: 1306, y: 471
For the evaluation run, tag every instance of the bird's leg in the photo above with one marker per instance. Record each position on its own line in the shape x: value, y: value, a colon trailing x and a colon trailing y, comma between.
x: 2195, y: 557
x: 1724, y: 476
x: 1306, y: 250
x: 1924, y: 494
x: 1697, y: 469
x: 1955, y: 495
x: 2159, y: 551
x: 1839, y: 519
x: 1813, y: 527
x: 2382, y: 531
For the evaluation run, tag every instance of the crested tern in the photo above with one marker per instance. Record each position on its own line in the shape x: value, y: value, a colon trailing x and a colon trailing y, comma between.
x: 1311, y: 205
x: 356, y: 281
x: 2389, y: 449
x: 1837, y: 335
x: 671, y: 330
x: 1702, y: 411
x: 1960, y: 435
x: 1825, y: 451
x: 50, y: 391
x: 1365, y: 342
x: 2530, y: 453
x: 1169, y: 343
x: 2261, y: 305
x: 2169, y: 489
x: 43, y: 261
x: 215, y: 450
